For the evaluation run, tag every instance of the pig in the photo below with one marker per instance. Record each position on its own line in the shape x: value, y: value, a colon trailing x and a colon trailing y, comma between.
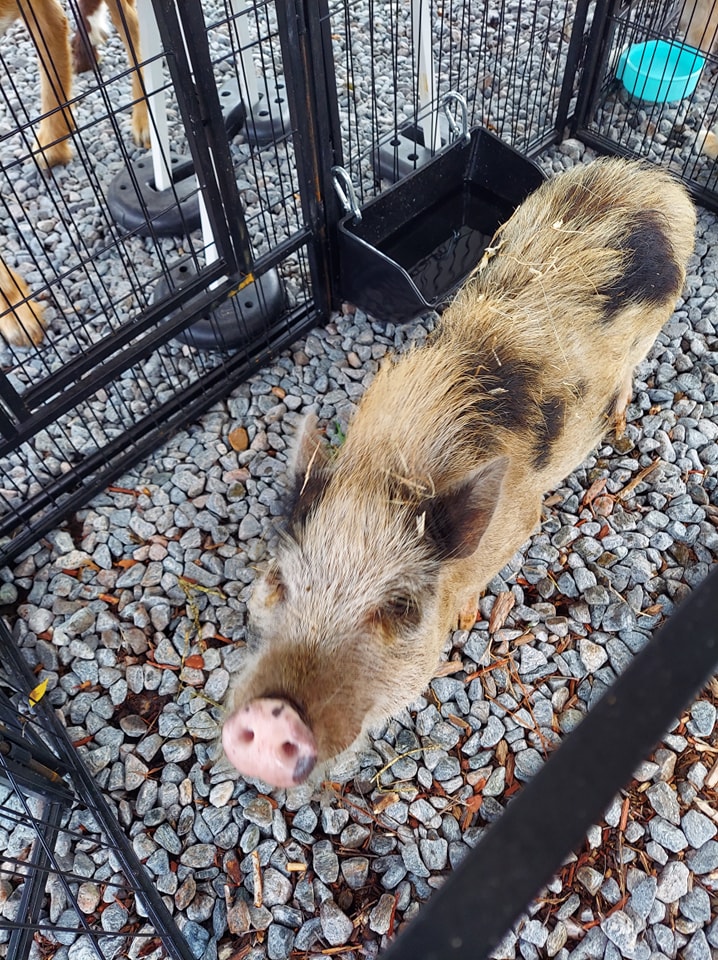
x: 440, y: 479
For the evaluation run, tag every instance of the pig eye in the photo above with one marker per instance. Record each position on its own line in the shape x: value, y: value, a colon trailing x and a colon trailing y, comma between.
x: 399, y: 613
x: 402, y: 609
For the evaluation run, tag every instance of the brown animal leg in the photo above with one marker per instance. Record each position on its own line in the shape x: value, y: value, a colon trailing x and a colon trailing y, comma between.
x: 124, y: 17
x: 622, y: 401
x: 21, y: 319
x: 49, y: 30
x: 84, y: 54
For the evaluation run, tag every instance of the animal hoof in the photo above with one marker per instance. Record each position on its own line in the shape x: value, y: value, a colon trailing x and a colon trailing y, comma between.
x: 467, y: 616
x: 709, y: 145
x: 54, y: 150
x: 620, y: 424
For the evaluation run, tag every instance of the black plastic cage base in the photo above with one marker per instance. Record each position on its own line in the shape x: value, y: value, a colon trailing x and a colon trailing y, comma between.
x: 137, y: 205
x: 238, y: 320
x: 404, y: 153
x: 266, y: 120
x: 419, y: 239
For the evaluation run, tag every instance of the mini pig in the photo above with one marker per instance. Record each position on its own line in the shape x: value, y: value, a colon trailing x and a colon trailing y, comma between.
x: 441, y: 476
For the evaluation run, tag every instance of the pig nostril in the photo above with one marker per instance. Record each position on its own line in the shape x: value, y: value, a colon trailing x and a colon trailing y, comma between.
x: 246, y: 735
x: 289, y: 750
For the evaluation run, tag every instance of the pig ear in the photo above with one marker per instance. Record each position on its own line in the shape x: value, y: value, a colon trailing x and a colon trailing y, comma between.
x: 456, y: 519
x: 308, y: 470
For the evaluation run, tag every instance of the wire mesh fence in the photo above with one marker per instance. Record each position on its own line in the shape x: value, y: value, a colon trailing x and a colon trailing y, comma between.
x: 110, y: 252
x: 396, y: 62
x: 70, y: 882
x: 649, y: 87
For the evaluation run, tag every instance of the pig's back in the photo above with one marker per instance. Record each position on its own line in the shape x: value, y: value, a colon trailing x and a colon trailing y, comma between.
x: 567, y: 300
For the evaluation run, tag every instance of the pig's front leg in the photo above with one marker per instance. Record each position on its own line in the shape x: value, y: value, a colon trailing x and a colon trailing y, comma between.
x: 507, y: 534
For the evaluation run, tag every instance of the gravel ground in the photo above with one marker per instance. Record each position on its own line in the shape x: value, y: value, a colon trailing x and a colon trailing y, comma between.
x: 134, y: 611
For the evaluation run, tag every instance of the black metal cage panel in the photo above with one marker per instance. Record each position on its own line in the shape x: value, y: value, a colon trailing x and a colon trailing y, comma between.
x: 666, y: 112
x: 193, y: 260
x: 397, y: 63
x: 56, y: 832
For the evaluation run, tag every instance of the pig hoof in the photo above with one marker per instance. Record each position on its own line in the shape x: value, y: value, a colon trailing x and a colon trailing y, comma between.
x: 467, y: 616
x: 268, y: 739
x: 619, y: 425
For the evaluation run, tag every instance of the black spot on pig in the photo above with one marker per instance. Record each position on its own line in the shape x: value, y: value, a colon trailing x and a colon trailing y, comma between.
x: 548, y: 429
x: 276, y: 711
x: 584, y: 201
x: 510, y: 385
x: 651, y: 274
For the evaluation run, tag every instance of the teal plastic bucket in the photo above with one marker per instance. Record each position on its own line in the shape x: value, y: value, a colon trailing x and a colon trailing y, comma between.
x: 660, y: 71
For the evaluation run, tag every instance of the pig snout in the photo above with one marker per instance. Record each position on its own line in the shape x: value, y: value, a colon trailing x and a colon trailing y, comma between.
x: 269, y: 740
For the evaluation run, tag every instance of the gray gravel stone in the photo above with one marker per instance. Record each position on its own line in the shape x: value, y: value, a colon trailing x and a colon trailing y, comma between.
x: 703, y: 719
x: 643, y: 897
x: 434, y: 853
x: 672, y: 882
x: 592, y: 654
x: 664, y: 801
x: 528, y: 762
x: 280, y: 942
x: 705, y: 859
x: 492, y: 732
x: 336, y: 926
x: 277, y: 889
x: 533, y: 931
x: 669, y: 836
x: 325, y: 861
x: 355, y: 871
x: 309, y: 933
x: 698, y: 828
x: 590, y: 878
x: 334, y: 819
x: 698, y: 948
x: 380, y: 918
x: 198, y: 856
x: 696, y: 905
x: 620, y: 930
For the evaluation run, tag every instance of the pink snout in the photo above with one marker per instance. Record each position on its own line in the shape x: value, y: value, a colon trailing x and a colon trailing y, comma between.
x: 269, y: 740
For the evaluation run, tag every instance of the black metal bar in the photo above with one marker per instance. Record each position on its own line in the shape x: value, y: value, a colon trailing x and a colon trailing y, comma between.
x: 595, y: 55
x: 315, y: 131
x: 14, y: 403
x: 33, y: 893
x: 321, y: 61
x: 468, y: 916
x: 182, y: 28
x: 573, y: 61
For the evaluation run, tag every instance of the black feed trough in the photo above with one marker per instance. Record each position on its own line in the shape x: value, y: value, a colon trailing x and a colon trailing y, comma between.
x: 418, y: 240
